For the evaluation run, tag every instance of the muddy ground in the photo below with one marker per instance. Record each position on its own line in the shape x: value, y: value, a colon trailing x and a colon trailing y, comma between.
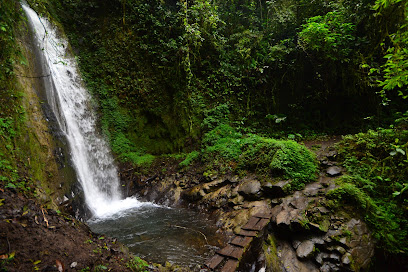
x: 33, y: 238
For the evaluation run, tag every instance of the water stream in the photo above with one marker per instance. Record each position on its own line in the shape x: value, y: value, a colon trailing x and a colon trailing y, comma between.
x: 149, y: 230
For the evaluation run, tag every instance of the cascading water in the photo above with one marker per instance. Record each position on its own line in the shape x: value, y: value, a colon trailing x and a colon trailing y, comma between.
x: 147, y: 229
x: 71, y: 103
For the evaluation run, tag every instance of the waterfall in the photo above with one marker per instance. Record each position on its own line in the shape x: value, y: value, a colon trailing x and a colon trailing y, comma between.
x: 71, y: 103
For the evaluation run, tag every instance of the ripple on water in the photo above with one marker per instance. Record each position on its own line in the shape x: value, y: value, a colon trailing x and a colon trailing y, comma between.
x: 162, y: 234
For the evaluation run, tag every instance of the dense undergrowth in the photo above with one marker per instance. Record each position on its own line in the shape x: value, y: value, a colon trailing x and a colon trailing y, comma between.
x: 156, y: 68
x: 376, y: 184
x: 12, y: 113
x: 225, y: 149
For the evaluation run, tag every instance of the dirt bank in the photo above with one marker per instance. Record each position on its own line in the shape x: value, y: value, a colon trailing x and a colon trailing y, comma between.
x: 34, y: 238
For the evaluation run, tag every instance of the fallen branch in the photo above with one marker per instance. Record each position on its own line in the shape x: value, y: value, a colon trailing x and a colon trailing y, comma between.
x: 45, y: 219
x: 181, y: 227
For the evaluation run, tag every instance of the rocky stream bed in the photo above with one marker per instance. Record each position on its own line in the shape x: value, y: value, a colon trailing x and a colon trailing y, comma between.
x: 306, y: 233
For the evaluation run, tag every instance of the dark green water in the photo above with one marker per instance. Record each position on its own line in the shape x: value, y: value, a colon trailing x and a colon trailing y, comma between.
x: 161, y: 234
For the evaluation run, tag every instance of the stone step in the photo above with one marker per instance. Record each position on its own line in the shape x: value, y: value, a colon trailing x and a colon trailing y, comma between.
x: 231, y: 251
x: 251, y: 223
x: 242, y: 241
x: 214, y: 262
x: 264, y: 215
x: 250, y: 233
x: 230, y: 266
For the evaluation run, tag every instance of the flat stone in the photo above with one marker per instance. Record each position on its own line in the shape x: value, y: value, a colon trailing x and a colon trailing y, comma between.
x: 231, y: 251
x: 251, y: 223
x: 305, y: 249
x: 261, y: 224
x: 242, y: 241
x: 334, y: 171
x: 214, y: 261
x: 249, y: 233
x: 283, y: 218
x: 230, y: 266
x: 264, y: 215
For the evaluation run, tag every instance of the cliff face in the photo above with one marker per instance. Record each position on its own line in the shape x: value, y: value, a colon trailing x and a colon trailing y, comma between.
x: 33, y: 153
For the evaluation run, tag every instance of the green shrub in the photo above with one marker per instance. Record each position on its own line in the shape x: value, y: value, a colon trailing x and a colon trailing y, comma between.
x: 377, y: 166
x: 192, y: 156
x: 137, y: 265
x: 224, y: 145
x: 349, y: 193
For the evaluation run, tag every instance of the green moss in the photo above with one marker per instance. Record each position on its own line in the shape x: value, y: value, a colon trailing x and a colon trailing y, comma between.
x: 227, y: 149
x: 271, y: 254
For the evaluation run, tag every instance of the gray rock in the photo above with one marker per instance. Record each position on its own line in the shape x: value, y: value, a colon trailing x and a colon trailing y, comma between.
x: 283, y: 218
x: 290, y: 262
x: 329, y: 267
x: 318, y: 240
x: 250, y: 189
x: 296, y: 243
x: 343, y: 241
x: 321, y: 257
x: 275, y: 190
x: 73, y: 265
x: 305, y: 249
x: 276, y: 201
x: 334, y: 257
x: 346, y: 259
x: 339, y: 249
x: 315, y: 228
x: 323, y: 210
x: 334, y: 171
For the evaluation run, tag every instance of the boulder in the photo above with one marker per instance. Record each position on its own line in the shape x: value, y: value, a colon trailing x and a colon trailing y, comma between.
x: 290, y: 262
x: 334, y: 171
x: 275, y: 190
x: 250, y: 189
x: 305, y: 249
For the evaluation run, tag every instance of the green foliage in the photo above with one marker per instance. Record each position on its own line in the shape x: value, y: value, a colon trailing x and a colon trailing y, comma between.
x: 216, y: 116
x: 12, y: 114
x: 378, y: 166
x: 395, y: 69
x: 192, y: 156
x: 137, y: 265
x: 329, y: 36
x: 223, y: 141
x: 225, y: 147
x: 100, y: 268
x: 350, y: 194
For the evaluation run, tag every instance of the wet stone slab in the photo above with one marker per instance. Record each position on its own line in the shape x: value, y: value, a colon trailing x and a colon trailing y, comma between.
x: 214, y: 261
x: 242, y: 241
x: 232, y: 251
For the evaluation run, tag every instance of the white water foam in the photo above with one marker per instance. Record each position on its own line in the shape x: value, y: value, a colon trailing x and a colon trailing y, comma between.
x: 71, y: 103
